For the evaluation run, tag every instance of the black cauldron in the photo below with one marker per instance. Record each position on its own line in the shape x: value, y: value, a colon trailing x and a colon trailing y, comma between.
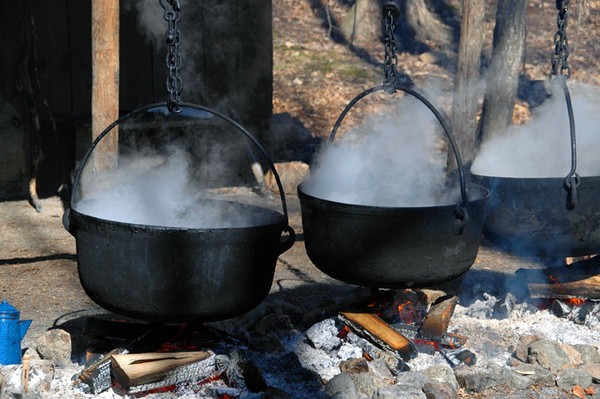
x: 530, y: 217
x: 392, y: 247
x: 176, y: 274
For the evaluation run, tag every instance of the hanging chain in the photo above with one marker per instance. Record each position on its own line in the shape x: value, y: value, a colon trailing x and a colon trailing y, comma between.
x: 560, y: 58
x: 391, y: 12
x: 561, y: 67
x: 172, y: 15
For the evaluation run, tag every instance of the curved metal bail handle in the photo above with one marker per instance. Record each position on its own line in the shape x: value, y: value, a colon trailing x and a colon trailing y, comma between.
x: 249, y: 136
x: 572, y: 180
x: 461, y: 212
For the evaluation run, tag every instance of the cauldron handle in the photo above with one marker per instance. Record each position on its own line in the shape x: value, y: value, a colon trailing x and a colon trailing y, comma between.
x: 286, y: 243
x: 461, y: 211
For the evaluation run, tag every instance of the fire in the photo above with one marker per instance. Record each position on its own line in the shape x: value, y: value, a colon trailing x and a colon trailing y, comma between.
x: 404, y: 306
x: 570, y: 301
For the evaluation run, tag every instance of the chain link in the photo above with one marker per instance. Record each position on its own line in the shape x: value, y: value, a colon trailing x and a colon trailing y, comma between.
x: 173, y: 59
x: 390, y: 60
x: 560, y: 62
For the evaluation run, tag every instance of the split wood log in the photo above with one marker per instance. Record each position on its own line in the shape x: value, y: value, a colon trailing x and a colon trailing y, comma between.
x: 436, y: 322
x: 105, y: 80
x: 380, y: 331
x: 97, y: 376
x: 146, y: 371
x: 588, y: 288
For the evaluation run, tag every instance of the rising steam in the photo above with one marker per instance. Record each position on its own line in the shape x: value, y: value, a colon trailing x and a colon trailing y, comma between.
x: 395, y: 160
x: 541, y: 148
x: 159, y: 190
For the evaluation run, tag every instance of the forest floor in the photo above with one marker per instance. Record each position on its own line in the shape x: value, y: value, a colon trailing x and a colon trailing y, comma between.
x: 315, y: 75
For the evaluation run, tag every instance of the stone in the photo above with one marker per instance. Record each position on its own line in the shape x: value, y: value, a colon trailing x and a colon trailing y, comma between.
x: 413, y: 378
x: 341, y: 387
x: 593, y: 370
x: 568, y: 378
x: 354, y: 366
x: 399, y: 392
x: 573, y: 355
x: 480, y: 379
x: 441, y: 374
x: 536, y: 374
x: 547, y: 354
x: 55, y: 345
x: 589, y: 353
x: 439, y: 390
x: 367, y: 383
x: 522, y: 349
x: 379, y: 367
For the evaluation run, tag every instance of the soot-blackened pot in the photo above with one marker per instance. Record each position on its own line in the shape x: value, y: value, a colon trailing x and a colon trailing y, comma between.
x: 530, y: 216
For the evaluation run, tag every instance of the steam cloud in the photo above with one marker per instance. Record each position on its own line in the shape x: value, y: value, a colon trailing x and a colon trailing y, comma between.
x: 157, y: 190
x: 542, y: 148
x: 391, y: 161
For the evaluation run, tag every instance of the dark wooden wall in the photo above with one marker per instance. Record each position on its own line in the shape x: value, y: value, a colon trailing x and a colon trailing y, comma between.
x: 229, y: 68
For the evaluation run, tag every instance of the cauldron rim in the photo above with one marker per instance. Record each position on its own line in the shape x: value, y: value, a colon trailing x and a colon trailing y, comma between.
x: 531, y: 178
x: 274, y: 218
x: 484, y: 194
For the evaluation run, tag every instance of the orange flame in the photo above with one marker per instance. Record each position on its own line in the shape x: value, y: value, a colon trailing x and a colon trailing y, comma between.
x: 570, y: 301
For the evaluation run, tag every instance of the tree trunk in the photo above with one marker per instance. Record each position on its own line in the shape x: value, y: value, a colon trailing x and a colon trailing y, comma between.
x: 427, y: 27
x: 105, y: 79
x: 466, y: 82
x: 503, y: 76
x: 362, y: 24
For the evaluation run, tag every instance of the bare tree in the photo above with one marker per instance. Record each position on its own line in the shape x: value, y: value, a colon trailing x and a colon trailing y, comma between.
x: 503, y: 75
x: 418, y: 25
x: 466, y: 81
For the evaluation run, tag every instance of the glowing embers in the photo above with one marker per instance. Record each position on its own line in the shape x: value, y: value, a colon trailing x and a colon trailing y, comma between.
x: 405, y: 322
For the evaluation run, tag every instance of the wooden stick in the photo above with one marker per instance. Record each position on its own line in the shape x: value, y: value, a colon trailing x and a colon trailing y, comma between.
x: 105, y: 79
x: 588, y: 288
x: 25, y: 373
x: 375, y: 326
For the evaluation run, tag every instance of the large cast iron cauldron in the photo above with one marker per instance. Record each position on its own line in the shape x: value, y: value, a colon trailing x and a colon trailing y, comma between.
x: 159, y: 273
x: 529, y: 216
x: 393, y: 247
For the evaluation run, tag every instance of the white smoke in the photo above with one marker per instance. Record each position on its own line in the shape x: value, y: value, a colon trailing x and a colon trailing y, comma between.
x: 542, y: 148
x: 394, y: 160
x: 157, y: 190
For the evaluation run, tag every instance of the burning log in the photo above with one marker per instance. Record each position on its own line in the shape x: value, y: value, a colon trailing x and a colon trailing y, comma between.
x: 381, y: 332
x: 436, y: 322
x: 588, y: 288
x: 147, y: 371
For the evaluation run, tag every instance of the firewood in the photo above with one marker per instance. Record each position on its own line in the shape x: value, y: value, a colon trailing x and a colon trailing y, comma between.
x: 588, y: 288
x: 374, y: 326
x: 436, y: 322
x: 145, y: 371
x: 97, y: 376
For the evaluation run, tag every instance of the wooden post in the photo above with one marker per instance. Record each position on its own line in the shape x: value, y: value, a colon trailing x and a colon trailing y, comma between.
x: 105, y: 79
x: 466, y: 81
